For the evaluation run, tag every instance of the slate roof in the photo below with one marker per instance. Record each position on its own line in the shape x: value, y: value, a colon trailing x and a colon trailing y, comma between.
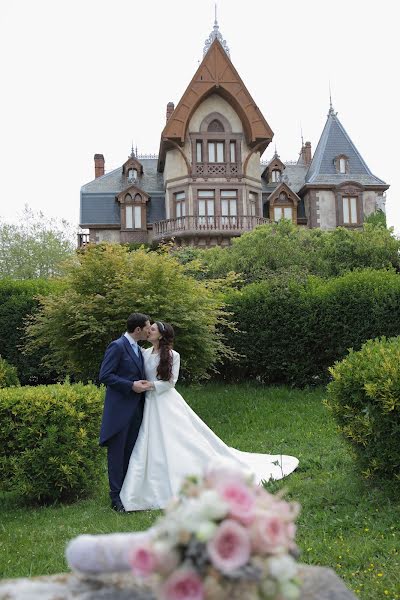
x: 333, y: 142
x: 293, y: 175
x: 98, y: 204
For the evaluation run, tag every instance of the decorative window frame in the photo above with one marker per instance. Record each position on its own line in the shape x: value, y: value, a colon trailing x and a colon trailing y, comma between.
x: 206, y: 169
x: 274, y: 165
x: 291, y: 200
x: 217, y: 197
x: 349, y: 190
x: 133, y: 196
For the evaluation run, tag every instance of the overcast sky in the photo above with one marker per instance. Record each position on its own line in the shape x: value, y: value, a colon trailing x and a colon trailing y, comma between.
x: 91, y: 76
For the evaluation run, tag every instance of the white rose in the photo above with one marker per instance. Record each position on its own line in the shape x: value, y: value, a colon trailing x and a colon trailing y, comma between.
x: 213, y: 507
x: 205, y: 531
x: 282, y: 568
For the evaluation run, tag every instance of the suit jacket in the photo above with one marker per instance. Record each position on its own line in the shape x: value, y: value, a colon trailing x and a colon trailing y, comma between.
x: 119, y: 369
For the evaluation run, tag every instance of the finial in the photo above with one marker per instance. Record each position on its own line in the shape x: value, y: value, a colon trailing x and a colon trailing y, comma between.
x: 136, y: 153
x: 331, y: 111
x: 215, y: 35
x: 132, y: 151
x: 301, y: 133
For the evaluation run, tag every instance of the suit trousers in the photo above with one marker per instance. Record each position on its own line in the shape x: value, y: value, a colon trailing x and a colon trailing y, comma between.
x: 119, y: 450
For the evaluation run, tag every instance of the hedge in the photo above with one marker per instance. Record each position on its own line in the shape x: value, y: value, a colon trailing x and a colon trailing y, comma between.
x: 291, y: 331
x: 18, y: 300
x: 49, y: 450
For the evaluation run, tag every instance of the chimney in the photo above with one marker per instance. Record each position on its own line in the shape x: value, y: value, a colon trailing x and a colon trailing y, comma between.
x: 98, y: 165
x: 170, y: 109
x: 307, y: 153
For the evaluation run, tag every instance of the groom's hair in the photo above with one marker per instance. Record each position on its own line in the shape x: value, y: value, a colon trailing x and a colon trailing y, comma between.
x: 136, y: 320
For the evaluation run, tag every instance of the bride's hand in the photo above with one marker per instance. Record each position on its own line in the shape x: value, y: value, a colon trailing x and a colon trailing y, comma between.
x: 141, y: 386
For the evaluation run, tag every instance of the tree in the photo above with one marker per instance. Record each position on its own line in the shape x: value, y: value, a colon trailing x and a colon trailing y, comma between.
x: 103, y: 285
x: 283, y: 249
x: 35, y: 247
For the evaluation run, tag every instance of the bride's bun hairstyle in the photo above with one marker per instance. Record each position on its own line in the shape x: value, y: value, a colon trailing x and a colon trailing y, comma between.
x: 164, y: 370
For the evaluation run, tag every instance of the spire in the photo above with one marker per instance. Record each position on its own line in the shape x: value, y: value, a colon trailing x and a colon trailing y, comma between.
x: 132, y: 154
x: 215, y: 35
x: 331, y: 111
x: 276, y: 155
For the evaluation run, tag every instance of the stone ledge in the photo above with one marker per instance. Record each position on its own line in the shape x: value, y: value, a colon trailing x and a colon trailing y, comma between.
x: 319, y: 583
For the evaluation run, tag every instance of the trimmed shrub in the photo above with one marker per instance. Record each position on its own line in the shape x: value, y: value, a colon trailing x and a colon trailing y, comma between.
x: 8, y: 374
x: 103, y: 286
x: 291, y: 331
x: 49, y: 448
x: 364, y: 397
x: 19, y: 300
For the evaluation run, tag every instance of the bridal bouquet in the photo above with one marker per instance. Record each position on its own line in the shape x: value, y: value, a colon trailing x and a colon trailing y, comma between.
x: 223, y: 538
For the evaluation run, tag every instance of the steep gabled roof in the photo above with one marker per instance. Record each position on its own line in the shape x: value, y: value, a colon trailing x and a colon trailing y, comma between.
x: 216, y: 74
x: 334, y: 142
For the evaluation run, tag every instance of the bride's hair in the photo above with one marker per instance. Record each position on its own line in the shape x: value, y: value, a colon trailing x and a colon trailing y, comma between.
x: 164, y: 369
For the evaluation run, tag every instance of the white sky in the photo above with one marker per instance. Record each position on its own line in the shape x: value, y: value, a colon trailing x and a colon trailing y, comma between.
x: 89, y: 76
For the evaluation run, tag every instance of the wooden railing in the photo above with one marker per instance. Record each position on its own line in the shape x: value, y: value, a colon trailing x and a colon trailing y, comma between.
x: 186, y: 226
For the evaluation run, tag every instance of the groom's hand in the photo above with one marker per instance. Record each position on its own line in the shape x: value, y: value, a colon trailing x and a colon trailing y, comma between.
x: 141, y: 386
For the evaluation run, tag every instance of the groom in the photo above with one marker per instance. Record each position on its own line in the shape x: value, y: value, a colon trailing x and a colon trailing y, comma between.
x: 122, y: 371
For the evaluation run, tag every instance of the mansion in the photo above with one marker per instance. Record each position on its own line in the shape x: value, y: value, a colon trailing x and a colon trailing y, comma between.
x: 207, y: 183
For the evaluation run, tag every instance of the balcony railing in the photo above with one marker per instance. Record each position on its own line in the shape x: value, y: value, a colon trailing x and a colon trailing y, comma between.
x: 216, y: 170
x: 188, y: 226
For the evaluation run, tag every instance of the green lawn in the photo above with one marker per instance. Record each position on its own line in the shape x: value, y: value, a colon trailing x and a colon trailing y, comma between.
x: 346, y: 523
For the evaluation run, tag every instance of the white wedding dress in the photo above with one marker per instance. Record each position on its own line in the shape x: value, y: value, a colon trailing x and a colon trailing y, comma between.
x: 174, y: 442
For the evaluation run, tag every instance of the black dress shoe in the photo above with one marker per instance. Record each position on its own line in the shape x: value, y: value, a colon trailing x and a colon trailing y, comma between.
x: 117, y: 506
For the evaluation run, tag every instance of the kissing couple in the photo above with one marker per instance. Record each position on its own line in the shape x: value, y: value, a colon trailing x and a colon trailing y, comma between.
x: 153, y: 438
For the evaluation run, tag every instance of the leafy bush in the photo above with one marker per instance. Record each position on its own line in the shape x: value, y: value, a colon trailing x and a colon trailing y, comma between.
x: 18, y: 300
x: 8, y: 374
x: 49, y: 434
x: 284, y: 248
x: 291, y: 331
x: 104, y: 285
x: 364, y: 397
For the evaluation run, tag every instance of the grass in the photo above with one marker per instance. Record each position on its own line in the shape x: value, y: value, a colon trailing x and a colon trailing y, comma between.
x: 346, y: 523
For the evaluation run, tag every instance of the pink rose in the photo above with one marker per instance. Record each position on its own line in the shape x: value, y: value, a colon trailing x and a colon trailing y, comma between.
x: 229, y: 548
x: 269, y: 533
x: 143, y: 560
x: 240, y: 499
x: 183, y: 584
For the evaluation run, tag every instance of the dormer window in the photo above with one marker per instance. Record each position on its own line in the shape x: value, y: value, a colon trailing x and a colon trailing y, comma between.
x: 132, y: 174
x: 342, y: 164
x: 275, y: 175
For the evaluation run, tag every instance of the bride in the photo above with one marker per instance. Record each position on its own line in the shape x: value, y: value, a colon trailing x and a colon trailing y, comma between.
x: 174, y: 442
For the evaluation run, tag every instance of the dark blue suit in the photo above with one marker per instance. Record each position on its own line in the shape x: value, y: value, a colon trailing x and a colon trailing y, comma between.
x: 123, y: 408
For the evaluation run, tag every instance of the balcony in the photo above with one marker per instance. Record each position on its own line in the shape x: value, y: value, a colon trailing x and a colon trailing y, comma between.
x: 187, y: 227
x: 216, y: 170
